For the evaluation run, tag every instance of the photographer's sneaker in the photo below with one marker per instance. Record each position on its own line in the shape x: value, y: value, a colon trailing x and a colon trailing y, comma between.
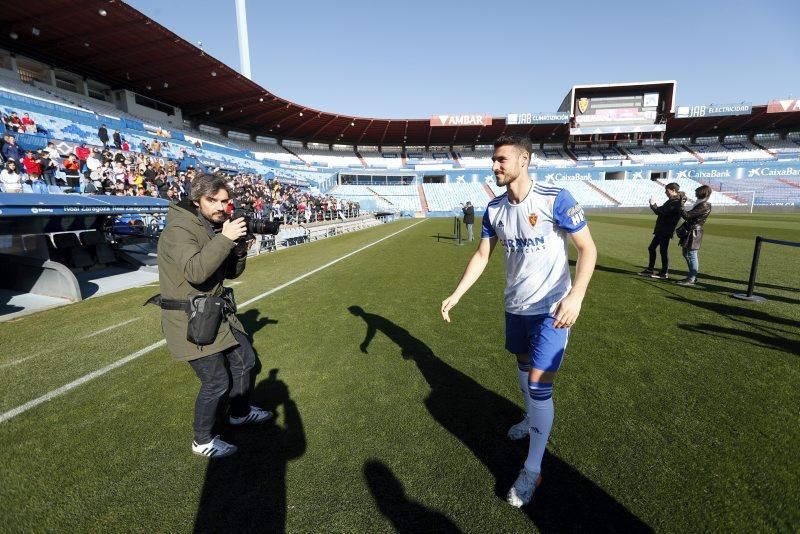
x: 256, y: 415
x: 686, y: 282
x: 521, y: 492
x: 660, y: 276
x: 216, y: 448
x: 520, y: 430
x: 646, y: 272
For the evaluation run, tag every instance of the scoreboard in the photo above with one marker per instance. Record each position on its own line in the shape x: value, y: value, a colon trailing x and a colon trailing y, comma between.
x: 619, y: 108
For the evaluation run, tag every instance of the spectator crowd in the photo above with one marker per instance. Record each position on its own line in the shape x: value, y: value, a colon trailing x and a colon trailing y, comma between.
x: 113, y: 169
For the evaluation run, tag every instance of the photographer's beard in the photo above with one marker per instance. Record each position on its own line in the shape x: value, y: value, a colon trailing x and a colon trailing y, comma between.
x: 212, y: 211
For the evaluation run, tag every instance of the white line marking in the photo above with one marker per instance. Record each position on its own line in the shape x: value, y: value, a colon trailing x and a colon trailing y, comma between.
x: 119, y: 363
x: 318, y: 269
x: 9, y: 364
x: 75, y: 383
x: 123, y: 323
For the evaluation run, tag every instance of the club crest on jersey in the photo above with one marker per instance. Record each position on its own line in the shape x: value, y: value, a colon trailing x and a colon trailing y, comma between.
x: 532, y: 218
x: 583, y: 104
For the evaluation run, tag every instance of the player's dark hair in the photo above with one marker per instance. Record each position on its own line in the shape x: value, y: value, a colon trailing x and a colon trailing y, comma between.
x: 522, y: 142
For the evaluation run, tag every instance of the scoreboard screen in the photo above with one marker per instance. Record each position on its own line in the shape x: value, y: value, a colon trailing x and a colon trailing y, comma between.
x: 616, y: 109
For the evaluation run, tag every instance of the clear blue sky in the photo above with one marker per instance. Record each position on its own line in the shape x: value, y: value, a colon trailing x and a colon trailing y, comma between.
x: 416, y: 58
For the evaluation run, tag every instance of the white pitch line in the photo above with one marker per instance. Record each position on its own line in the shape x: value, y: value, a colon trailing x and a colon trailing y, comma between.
x: 119, y: 363
x: 9, y: 364
x: 318, y: 269
x: 123, y: 323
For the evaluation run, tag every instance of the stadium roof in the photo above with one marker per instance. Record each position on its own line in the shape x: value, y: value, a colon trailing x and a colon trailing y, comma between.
x: 149, y: 59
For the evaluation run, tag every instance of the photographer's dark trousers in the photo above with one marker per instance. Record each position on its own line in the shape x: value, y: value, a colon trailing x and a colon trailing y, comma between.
x: 215, y: 378
x: 661, y: 243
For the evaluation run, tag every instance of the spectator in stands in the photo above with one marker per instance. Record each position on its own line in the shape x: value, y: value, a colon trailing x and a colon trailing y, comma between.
x: 82, y: 153
x: 691, y: 233
x: 94, y: 160
x: 102, y: 134
x: 28, y: 124
x: 125, y: 145
x: 52, y: 152
x: 11, y: 150
x: 469, y: 218
x: 49, y: 167
x: 668, y: 214
x: 13, y: 122
x: 117, y: 139
x: 33, y: 166
x: 155, y: 148
x: 72, y: 168
x: 142, y: 147
x: 10, y: 177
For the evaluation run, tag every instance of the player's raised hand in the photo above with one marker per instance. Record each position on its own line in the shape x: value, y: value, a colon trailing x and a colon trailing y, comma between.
x: 447, y: 305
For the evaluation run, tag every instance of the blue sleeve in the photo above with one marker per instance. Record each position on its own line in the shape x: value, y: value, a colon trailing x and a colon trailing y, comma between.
x: 487, y: 231
x: 567, y: 213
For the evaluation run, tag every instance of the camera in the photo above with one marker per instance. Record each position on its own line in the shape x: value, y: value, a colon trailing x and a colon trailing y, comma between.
x: 256, y: 226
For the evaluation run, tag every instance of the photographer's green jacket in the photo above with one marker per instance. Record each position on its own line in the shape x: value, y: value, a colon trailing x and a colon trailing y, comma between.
x: 193, y: 260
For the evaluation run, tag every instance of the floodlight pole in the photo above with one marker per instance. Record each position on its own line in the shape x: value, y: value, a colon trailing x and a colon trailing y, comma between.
x: 241, y: 30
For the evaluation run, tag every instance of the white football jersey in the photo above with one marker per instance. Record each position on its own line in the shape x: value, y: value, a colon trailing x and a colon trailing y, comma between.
x: 533, y: 235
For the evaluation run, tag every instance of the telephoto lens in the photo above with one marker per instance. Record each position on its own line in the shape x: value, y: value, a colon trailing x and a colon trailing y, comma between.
x: 257, y: 226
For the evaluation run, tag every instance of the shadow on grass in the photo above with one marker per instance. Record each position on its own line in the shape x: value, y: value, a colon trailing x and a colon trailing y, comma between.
x: 757, y: 328
x: 246, y: 492
x: 702, y: 284
x: 252, y: 323
x: 479, y: 418
x: 407, y: 516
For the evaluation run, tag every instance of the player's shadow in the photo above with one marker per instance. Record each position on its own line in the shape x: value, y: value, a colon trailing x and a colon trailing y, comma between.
x: 407, y: 516
x: 479, y: 418
x: 246, y: 492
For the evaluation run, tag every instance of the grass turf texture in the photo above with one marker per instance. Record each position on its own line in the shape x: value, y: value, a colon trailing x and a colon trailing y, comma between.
x: 676, y: 408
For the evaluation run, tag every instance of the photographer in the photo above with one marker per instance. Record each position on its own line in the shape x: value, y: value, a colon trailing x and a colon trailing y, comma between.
x: 469, y: 218
x: 669, y: 214
x: 197, y: 250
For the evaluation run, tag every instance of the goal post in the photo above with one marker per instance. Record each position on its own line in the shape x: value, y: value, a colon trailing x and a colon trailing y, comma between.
x: 751, y: 284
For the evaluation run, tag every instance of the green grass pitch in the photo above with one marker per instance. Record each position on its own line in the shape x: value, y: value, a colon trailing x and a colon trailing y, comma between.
x: 676, y: 408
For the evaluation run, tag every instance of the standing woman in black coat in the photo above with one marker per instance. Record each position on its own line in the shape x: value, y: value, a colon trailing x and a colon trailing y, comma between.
x: 669, y: 214
x: 691, y: 233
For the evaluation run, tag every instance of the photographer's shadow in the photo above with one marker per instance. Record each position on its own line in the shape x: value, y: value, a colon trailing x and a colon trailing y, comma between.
x: 480, y: 418
x: 252, y: 323
x: 246, y: 492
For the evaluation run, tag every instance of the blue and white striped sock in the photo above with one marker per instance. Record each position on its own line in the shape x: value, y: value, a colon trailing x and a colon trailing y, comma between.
x: 541, y: 413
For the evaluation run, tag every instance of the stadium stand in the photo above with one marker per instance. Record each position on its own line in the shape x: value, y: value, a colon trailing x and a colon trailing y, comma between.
x: 393, y: 198
x: 637, y: 193
x: 383, y: 160
x: 657, y: 154
x: 710, y: 149
x: 448, y: 197
x: 762, y: 191
x: 596, y: 155
x: 788, y: 148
